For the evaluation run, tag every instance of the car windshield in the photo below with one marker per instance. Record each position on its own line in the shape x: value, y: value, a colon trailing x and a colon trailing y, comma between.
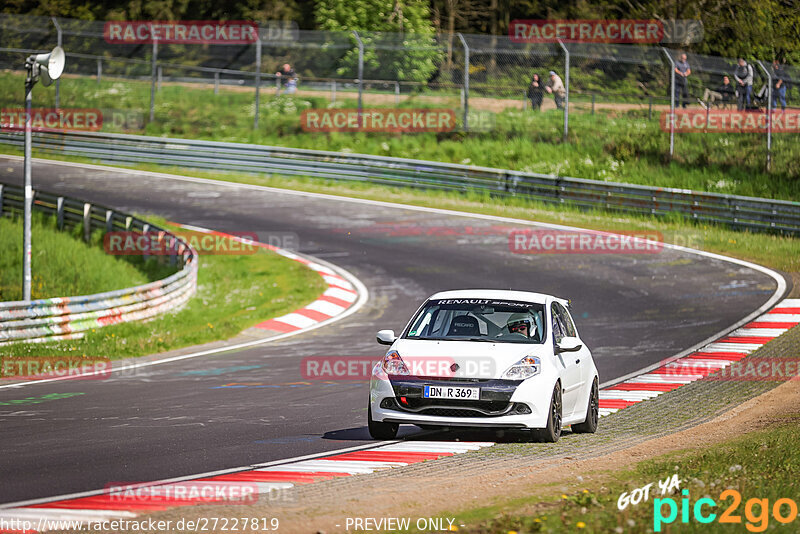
x: 492, y: 320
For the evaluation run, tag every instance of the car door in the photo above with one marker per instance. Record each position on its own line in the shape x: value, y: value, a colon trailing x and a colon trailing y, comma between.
x: 568, y: 362
x: 584, y: 355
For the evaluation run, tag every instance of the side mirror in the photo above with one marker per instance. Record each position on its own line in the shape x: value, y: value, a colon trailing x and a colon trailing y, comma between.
x: 386, y: 337
x: 568, y: 344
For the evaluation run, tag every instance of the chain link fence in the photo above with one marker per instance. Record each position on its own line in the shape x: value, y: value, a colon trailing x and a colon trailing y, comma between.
x: 480, y: 77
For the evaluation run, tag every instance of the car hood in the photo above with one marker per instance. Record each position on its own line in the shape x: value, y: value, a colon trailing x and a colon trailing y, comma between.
x: 474, y: 359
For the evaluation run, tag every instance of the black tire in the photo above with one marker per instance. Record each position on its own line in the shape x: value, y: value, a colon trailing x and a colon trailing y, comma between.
x: 589, y: 426
x: 552, y: 431
x: 380, y: 430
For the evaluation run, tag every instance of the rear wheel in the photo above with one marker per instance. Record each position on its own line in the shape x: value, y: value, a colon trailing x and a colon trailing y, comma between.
x: 589, y: 426
x: 552, y: 431
x: 380, y: 430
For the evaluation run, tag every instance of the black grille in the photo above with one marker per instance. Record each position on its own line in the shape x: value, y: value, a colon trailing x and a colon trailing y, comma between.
x: 487, y: 406
x: 451, y: 407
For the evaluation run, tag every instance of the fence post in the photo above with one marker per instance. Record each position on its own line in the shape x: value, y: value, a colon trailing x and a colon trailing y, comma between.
x: 671, y: 102
x: 145, y: 230
x: 333, y: 92
x: 769, y: 114
x: 99, y: 69
x: 60, y: 42
x: 566, y: 88
x: 216, y: 83
x: 360, y: 74
x: 466, y: 81
x: 87, y: 221
x: 258, y: 81
x: 109, y: 220
x: 153, y: 74
x: 396, y: 92
x: 60, y: 213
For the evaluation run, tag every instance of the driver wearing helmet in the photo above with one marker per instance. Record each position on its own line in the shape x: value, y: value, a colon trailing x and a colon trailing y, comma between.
x: 520, y: 323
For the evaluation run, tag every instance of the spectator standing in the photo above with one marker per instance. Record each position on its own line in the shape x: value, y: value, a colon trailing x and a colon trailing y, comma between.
x: 682, y: 72
x: 536, y: 92
x: 724, y: 93
x: 744, y: 84
x: 779, y: 79
x: 288, y: 78
x: 556, y: 87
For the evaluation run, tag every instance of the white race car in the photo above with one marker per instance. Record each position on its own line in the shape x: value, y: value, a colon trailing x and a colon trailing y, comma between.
x: 486, y: 358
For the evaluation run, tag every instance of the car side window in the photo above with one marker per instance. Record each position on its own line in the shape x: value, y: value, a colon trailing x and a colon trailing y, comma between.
x: 558, y: 332
x: 566, y: 320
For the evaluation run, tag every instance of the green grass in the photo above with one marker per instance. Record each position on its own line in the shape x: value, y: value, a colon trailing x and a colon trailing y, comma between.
x: 63, y: 265
x: 616, y: 146
x: 759, y: 465
x: 234, y: 292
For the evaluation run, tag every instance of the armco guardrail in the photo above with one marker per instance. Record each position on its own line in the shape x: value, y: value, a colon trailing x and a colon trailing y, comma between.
x: 740, y: 212
x: 68, y: 317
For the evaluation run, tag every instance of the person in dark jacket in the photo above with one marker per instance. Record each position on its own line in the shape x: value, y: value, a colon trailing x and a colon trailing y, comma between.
x: 536, y: 92
x: 725, y: 94
x: 744, y: 81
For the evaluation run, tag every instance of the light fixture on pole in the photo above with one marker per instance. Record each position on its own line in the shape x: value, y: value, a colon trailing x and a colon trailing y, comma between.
x: 47, y: 67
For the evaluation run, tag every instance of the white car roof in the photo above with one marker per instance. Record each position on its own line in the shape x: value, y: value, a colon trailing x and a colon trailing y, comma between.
x: 524, y: 296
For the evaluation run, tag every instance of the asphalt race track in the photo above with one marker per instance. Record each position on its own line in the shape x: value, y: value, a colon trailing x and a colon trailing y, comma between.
x: 195, y: 415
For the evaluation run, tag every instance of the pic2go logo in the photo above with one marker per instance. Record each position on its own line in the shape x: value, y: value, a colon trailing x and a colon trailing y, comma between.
x: 756, y: 511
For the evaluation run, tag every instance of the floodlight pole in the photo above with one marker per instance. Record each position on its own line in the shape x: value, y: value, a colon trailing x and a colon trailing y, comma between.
x: 30, y: 81
x: 671, y: 102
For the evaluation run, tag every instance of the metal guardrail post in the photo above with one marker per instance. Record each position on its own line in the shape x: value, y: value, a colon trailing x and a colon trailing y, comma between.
x: 466, y: 81
x: 566, y: 88
x: 109, y: 220
x: 671, y: 102
x: 87, y: 221
x: 145, y: 230
x: 769, y: 113
x: 60, y: 42
x: 333, y: 92
x: 99, y: 69
x: 360, y: 74
x: 258, y: 82
x: 153, y: 74
x: 396, y: 92
x: 60, y: 213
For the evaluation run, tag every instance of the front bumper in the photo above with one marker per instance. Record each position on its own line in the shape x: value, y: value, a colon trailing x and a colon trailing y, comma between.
x: 503, y: 403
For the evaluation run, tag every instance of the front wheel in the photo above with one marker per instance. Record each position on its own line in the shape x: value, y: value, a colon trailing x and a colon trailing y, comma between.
x: 552, y: 431
x: 380, y: 430
x: 589, y: 426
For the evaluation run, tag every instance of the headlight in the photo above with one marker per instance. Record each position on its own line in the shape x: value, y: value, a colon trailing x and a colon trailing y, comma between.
x: 525, y: 368
x: 393, y: 364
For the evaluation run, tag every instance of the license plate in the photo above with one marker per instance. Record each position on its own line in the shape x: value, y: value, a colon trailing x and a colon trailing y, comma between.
x: 451, y: 392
